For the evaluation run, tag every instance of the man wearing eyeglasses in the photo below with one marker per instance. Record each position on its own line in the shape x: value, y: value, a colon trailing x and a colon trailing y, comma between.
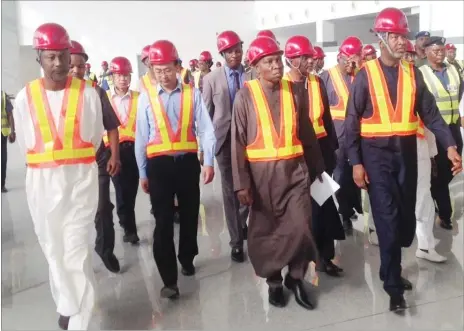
x: 444, y: 82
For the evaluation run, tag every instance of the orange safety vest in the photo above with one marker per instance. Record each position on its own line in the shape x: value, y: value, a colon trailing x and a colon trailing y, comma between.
x: 167, y: 142
x: 338, y: 111
x: 268, y: 146
x: 316, y: 107
x: 62, y: 145
x: 127, y: 128
x: 387, y: 121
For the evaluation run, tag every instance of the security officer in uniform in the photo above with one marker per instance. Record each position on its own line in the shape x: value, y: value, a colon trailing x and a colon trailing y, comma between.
x: 166, y: 151
x: 445, y: 84
x: 107, y: 166
x: 387, y: 99
x: 8, y: 133
x: 421, y: 38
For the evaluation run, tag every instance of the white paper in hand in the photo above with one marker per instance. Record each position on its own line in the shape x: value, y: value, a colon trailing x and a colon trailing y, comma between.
x: 321, y: 191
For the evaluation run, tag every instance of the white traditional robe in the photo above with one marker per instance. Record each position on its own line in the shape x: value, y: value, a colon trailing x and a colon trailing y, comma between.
x: 63, y: 202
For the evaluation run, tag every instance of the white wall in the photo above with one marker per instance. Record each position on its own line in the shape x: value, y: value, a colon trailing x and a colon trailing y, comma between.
x: 122, y: 28
x: 10, y: 49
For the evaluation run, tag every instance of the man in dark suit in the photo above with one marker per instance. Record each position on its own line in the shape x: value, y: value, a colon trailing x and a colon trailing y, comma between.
x: 219, y: 89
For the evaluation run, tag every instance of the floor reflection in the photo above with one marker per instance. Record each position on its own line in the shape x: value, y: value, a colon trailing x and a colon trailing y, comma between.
x: 225, y: 295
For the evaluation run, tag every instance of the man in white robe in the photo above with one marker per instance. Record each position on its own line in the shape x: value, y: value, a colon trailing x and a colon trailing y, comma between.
x: 59, y: 128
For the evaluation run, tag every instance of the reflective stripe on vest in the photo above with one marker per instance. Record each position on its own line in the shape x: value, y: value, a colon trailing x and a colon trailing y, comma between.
x: 387, y: 121
x: 167, y: 142
x: 5, y: 123
x: 268, y: 146
x: 183, y: 74
x: 338, y: 111
x: 63, y: 145
x: 126, y: 129
x: 91, y: 83
x: 316, y: 107
x: 447, y: 101
x: 197, y: 76
x: 145, y: 81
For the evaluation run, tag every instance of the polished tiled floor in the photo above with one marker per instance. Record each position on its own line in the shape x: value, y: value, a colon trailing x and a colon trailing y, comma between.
x: 225, y: 295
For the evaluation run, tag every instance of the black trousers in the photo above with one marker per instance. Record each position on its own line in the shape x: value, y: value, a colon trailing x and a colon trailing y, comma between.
x: 392, y: 194
x: 349, y: 195
x: 440, y: 183
x: 126, y: 184
x: 4, y: 158
x: 104, y: 243
x: 169, y: 176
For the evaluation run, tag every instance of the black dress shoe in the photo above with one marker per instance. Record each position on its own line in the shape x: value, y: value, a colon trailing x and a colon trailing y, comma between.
x: 237, y: 255
x: 111, y: 263
x: 4, y: 189
x: 188, y: 270
x: 447, y: 225
x: 301, y: 297
x: 407, y: 285
x: 132, y: 238
x: 347, y: 226
x: 245, y: 233
x: 63, y: 322
x: 397, y: 303
x: 276, y: 296
x: 329, y: 267
x: 170, y: 292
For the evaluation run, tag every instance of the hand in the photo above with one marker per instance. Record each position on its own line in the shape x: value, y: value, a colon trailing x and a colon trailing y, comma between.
x: 455, y: 159
x: 360, y: 176
x: 245, y: 198
x: 113, y: 166
x: 208, y: 174
x: 202, y: 158
x: 12, y: 137
x: 144, y: 185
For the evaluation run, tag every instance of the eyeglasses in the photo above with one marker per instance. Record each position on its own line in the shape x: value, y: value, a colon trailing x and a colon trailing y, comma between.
x: 167, y: 71
x: 436, y: 52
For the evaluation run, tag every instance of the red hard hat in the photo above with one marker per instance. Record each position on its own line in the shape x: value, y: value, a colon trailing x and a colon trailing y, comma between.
x: 120, y: 65
x: 351, y: 46
x: 193, y: 62
x: 163, y: 52
x: 450, y: 46
x: 266, y: 33
x: 77, y: 48
x: 226, y: 40
x: 205, y: 56
x: 391, y: 20
x: 144, y: 54
x: 410, y: 47
x: 104, y: 63
x: 298, y: 46
x: 51, y: 36
x: 262, y: 47
x: 318, y: 52
x: 368, y: 50
x: 87, y: 66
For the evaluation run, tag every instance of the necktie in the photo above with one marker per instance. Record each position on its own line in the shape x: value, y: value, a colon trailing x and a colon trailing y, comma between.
x: 236, y: 84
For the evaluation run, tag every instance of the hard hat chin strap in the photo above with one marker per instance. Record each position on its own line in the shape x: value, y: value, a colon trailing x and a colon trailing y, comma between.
x: 383, y: 36
x: 297, y: 68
